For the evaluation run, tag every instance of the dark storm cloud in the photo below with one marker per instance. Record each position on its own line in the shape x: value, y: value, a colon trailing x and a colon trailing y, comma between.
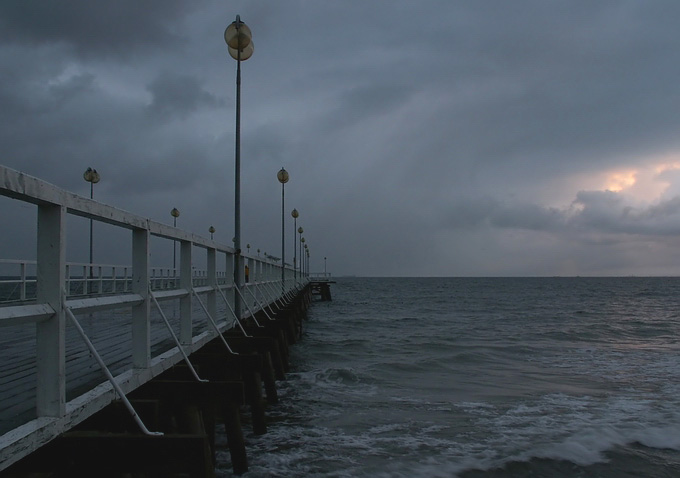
x: 56, y: 125
x: 468, y: 134
x: 607, y: 211
x: 179, y: 95
x: 366, y: 103
x: 602, y: 212
x: 564, y: 79
x: 117, y: 28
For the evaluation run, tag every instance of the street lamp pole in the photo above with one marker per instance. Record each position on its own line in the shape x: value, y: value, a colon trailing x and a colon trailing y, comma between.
x: 175, y: 214
x: 239, y: 41
x: 302, y: 255
x: 283, y: 178
x: 91, y: 176
x: 299, y: 242
x: 295, y: 215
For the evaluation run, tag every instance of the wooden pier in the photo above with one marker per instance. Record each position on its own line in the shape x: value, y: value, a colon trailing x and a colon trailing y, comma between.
x: 321, y: 285
x: 134, y: 378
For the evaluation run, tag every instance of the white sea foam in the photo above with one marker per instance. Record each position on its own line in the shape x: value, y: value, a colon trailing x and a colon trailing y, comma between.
x: 660, y: 437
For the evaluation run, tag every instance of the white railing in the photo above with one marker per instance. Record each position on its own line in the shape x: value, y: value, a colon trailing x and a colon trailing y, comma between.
x: 49, y: 291
x: 18, y: 279
x: 320, y: 276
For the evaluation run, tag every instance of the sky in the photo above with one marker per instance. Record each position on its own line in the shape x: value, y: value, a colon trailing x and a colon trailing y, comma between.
x: 429, y: 138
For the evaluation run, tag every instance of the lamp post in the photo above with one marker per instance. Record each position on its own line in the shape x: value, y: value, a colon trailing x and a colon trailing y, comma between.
x: 91, y: 176
x: 240, y: 44
x: 175, y: 214
x: 302, y: 256
x: 324, y: 267
x: 283, y: 178
x: 211, y: 230
x: 295, y: 215
x: 299, y: 242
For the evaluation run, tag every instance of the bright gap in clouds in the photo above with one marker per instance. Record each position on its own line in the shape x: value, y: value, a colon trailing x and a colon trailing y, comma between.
x: 620, y: 180
x: 647, y: 183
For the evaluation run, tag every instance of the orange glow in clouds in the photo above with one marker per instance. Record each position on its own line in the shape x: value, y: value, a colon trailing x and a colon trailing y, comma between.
x: 620, y: 180
x: 644, y: 183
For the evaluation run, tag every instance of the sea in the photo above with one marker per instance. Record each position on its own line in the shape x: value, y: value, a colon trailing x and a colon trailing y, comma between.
x: 480, y: 377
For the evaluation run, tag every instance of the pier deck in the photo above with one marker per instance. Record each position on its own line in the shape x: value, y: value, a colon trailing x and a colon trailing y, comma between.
x: 321, y: 285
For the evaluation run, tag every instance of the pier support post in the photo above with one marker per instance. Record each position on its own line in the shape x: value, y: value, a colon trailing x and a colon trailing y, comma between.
x: 237, y: 447
x: 141, y: 326
x: 185, y: 282
x: 268, y: 378
x: 50, y: 338
x: 212, y: 282
x: 250, y: 372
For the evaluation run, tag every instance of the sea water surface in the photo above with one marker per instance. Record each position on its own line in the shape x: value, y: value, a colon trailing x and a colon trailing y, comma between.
x: 471, y: 378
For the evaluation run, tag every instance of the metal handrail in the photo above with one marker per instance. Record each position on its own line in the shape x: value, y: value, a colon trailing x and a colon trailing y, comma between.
x: 212, y: 322
x: 109, y: 376
x: 174, y: 336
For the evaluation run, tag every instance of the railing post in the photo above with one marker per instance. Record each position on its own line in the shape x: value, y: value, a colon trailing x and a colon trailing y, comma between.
x: 185, y: 282
x: 229, y: 278
x: 50, y: 335
x: 241, y: 280
x: 22, y: 291
x: 257, y: 276
x: 86, y: 284
x: 113, y: 280
x: 212, y: 282
x: 100, y: 290
x: 141, y: 328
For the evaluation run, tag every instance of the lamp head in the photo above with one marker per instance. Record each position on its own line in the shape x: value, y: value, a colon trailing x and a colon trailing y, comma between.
x: 91, y: 176
x: 283, y: 176
x: 239, y: 39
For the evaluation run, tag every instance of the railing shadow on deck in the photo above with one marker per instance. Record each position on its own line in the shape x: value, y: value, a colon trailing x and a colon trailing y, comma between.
x: 49, y: 381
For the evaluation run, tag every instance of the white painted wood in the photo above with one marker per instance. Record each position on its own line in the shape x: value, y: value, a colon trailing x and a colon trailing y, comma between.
x: 211, y: 299
x: 22, y: 294
x: 25, y: 314
x: 185, y: 303
x: 229, y: 264
x: 141, y: 312
x: 205, y: 289
x: 99, y: 304
x: 170, y: 294
x: 50, y: 335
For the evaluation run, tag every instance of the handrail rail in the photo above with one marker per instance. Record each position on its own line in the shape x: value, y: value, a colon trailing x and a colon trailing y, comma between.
x: 320, y: 276
x: 110, y: 279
